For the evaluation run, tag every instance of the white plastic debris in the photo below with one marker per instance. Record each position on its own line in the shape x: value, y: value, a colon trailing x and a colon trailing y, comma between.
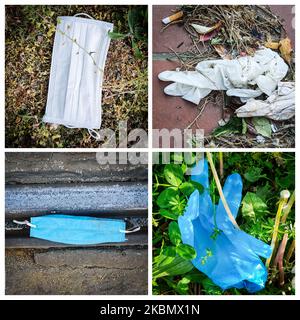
x: 260, y: 139
x: 78, y: 60
x: 244, y: 77
x: 280, y: 105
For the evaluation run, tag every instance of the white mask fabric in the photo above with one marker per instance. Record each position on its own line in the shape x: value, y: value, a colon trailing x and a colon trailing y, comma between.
x: 78, y: 59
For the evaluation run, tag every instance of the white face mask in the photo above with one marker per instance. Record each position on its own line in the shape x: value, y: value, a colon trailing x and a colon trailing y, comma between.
x: 78, y: 59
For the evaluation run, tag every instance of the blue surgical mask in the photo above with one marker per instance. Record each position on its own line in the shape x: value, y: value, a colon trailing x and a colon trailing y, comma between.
x: 77, y: 230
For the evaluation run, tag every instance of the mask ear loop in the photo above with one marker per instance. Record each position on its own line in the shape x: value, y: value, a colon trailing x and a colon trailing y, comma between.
x: 134, y: 229
x: 83, y: 14
x: 25, y: 222
x: 94, y: 134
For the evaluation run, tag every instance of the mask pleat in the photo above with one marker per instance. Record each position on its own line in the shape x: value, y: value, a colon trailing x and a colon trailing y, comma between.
x: 74, y: 96
x: 77, y: 230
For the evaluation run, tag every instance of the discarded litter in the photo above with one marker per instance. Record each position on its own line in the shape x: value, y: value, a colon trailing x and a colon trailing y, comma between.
x: 234, y: 33
x: 173, y: 17
x: 280, y: 105
x: 227, y: 255
x: 204, y: 30
x: 237, y: 77
x: 78, y: 59
x: 77, y: 230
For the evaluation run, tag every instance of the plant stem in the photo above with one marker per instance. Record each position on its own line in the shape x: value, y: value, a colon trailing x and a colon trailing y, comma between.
x: 219, y: 187
x: 291, y: 251
x: 284, y: 195
x: 288, y: 207
x: 279, y: 259
x: 221, y: 165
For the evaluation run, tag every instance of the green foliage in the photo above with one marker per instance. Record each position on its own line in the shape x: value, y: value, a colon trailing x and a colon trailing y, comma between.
x: 171, y: 266
x: 254, y: 174
x: 137, y: 19
x: 234, y: 125
x: 262, y: 126
x: 173, y: 174
x: 186, y: 251
x: 253, y: 207
x: 166, y: 198
x: 264, y: 176
x: 174, y: 233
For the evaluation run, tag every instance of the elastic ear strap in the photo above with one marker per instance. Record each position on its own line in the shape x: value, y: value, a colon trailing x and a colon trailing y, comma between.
x: 83, y: 14
x: 94, y: 134
x: 131, y: 231
x: 25, y: 222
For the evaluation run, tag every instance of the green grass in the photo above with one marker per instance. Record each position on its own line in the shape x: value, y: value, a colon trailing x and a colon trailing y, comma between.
x: 264, y: 176
x: 29, y: 40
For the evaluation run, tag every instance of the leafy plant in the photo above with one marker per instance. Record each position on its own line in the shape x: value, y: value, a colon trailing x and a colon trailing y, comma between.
x: 137, y: 20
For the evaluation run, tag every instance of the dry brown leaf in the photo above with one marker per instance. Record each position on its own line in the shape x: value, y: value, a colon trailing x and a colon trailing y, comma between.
x: 205, y: 30
x: 272, y: 45
x: 286, y: 49
x: 222, y: 52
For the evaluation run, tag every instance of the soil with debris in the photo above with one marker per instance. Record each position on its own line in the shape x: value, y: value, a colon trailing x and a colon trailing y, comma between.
x: 76, y: 271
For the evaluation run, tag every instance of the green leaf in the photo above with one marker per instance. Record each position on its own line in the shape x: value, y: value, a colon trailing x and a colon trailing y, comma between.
x: 186, y: 251
x: 169, y: 251
x: 156, y: 238
x: 136, y: 50
x: 187, y: 188
x: 182, y: 286
x: 174, y: 233
x: 132, y: 19
x: 137, y: 21
x: 210, y: 288
x: 165, y: 197
x: 167, y: 214
x: 171, y: 266
x: 117, y: 36
x: 254, y: 174
x: 173, y: 174
x: 264, y: 192
x: 234, y: 125
x: 198, y: 186
x: 195, y: 276
x: 262, y: 126
x: 253, y: 207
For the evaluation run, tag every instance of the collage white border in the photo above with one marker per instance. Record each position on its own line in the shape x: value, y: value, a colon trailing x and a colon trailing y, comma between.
x: 149, y: 150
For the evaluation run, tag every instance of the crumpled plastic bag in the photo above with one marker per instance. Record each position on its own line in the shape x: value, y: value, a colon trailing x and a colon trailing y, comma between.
x: 280, y: 105
x: 229, y: 258
x: 264, y: 70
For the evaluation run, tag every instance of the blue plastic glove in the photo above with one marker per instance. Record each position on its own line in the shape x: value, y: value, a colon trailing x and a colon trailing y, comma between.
x: 228, y: 256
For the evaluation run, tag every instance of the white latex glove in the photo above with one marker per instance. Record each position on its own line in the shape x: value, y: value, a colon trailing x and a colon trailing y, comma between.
x: 279, y: 106
x: 265, y: 69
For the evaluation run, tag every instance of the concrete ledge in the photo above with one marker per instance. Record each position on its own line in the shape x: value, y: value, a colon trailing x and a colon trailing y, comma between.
x: 62, y: 167
x: 137, y: 239
x: 83, y: 198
